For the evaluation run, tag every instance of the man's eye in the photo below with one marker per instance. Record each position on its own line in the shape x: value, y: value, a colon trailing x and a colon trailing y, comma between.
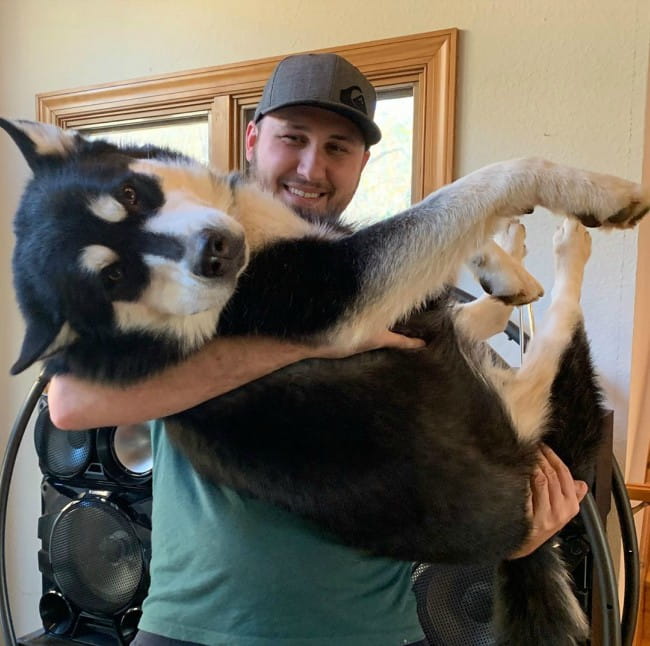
x: 129, y: 195
x: 338, y: 149
x: 290, y: 139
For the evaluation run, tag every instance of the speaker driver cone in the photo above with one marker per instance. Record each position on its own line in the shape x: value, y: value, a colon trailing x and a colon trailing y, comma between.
x: 63, y: 454
x: 125, y: 452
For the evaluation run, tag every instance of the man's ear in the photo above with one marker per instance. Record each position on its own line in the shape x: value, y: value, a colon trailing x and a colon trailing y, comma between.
x: 42, y: 339
x: 252, y: 133
x: 40, y: 142
x: 364, y: 161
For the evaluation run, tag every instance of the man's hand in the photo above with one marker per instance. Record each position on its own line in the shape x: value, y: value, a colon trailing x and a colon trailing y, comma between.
x: 384, y: 339
x: 554, y: 500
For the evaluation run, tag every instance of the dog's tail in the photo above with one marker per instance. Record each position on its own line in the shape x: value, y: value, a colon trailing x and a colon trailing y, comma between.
x: 535, y: 602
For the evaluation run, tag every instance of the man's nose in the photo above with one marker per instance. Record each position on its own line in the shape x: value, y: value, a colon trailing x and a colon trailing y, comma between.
x: 312, y: 164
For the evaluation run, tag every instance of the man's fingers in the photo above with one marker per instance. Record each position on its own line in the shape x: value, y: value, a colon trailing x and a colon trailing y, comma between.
x: 560, y: 470
x: 581, y: 489
x: 388, y: 339
x: 383, y: 339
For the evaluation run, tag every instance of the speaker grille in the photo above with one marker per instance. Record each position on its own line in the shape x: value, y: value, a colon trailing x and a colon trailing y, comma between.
x: 455, y: 604
x: 96, y: 557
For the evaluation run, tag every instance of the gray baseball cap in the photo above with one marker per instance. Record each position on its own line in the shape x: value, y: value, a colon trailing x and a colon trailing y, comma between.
x: 326, y: 81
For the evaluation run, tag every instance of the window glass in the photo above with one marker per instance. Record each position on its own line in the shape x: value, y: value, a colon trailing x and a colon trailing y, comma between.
x: 385, y: 187
x: 188, y: 134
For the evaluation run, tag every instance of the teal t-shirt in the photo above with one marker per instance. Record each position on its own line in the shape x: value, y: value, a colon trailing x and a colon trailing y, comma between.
x: 233, y: 571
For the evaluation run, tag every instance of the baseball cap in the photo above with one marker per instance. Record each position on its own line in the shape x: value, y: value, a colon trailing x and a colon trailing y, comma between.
x: 325, y: 81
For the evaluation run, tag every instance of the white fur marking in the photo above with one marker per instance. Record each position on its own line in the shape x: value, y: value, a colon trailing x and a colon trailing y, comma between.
x: 107, y: 208
x: 174, y: 290
x: 48, y: 139
x: 191, y: 331
x: 95, y: 257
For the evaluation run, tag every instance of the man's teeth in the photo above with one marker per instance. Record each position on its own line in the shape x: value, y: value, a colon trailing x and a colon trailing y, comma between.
x: 299, y: 193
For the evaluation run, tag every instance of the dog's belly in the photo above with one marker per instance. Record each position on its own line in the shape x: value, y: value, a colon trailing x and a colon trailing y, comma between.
x: 398, y: 452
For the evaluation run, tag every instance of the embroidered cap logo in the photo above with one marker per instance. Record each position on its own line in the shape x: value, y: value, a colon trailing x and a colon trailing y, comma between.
x: 353, y: 96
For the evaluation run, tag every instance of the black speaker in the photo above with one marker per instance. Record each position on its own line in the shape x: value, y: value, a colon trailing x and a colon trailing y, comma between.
x: 95, y: 529
x: 455, y: 601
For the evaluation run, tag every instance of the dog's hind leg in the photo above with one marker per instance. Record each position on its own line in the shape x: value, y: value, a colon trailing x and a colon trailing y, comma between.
x: 539, y: 585
x: 527, y: 393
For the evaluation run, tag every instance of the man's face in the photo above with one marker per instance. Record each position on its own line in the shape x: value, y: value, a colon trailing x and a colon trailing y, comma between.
x: 309, y: 158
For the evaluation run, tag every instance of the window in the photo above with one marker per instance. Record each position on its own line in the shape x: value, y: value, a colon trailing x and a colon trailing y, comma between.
x: 207, y: 111
x: 188, y: 134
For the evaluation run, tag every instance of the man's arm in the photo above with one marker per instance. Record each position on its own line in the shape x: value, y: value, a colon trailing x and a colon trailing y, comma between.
x: 223, y: 365
x: 228, y: 363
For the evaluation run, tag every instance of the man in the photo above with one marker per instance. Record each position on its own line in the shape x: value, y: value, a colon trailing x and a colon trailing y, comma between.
x: 227, y: 569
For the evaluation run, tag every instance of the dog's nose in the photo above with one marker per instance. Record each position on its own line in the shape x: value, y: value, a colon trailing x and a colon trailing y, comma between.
x: 218, y: 254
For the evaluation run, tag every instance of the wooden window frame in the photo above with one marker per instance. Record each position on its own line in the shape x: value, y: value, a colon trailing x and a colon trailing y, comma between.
x: 425, y: 61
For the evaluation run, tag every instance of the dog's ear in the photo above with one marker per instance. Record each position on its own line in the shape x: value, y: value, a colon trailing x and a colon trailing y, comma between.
x: 40, y: 143
x: 42, y: 339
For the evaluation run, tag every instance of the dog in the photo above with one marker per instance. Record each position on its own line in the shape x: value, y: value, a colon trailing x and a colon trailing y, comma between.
x: 129, y: 259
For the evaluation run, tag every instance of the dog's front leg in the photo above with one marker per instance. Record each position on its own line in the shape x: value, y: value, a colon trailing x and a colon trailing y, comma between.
x: 402, y: 261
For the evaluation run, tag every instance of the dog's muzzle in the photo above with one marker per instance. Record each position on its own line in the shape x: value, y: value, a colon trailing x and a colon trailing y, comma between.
x: 217, y: 253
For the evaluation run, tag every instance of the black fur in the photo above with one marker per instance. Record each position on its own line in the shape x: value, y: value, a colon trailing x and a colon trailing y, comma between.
x: 330, y: 440
x: 321, y: 275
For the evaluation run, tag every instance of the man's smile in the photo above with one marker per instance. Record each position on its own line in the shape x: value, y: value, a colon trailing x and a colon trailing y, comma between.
x: 304, y: 196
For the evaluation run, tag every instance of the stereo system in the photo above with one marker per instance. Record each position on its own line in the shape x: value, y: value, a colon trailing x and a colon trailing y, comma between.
x: 95, y: 529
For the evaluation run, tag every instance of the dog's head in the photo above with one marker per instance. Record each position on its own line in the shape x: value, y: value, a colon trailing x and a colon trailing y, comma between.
x: 113, y: 239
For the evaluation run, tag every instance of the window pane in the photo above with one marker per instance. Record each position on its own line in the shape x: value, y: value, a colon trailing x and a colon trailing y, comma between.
x: 385, y: 187
x: 188, y: 135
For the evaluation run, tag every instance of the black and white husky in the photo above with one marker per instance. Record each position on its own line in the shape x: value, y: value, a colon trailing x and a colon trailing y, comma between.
x: 129, y: 259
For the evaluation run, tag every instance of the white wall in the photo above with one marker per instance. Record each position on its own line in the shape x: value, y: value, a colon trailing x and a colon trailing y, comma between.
x: 565, y: 80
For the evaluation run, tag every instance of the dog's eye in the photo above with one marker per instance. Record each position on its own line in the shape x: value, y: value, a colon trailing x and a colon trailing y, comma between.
x: 112, y: 274
x: 129, y: 195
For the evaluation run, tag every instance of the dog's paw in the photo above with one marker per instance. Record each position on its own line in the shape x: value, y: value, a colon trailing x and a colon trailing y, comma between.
x: 502, y: 275
x: 572, y: 246
x: 595, y: 199
x: 615, y: 203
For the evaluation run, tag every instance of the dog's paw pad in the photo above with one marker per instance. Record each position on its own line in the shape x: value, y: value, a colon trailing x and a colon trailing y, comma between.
x: 629, y: 216
x: 622, y: 205
x: 588, y: 220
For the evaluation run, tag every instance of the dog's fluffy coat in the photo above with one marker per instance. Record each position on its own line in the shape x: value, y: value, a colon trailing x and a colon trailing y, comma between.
x: 128, y: 259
